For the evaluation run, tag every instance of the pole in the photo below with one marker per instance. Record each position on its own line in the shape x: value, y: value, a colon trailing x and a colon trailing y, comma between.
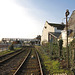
x: 67, y: 13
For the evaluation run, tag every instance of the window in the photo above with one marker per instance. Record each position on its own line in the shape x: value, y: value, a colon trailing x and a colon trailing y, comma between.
x: 45, y: 27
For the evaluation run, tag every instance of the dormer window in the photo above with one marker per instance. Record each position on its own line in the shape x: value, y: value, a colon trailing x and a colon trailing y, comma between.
x: 45, y: 27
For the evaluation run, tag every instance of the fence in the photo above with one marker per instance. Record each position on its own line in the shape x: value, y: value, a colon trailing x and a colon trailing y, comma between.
x: 59, y: 74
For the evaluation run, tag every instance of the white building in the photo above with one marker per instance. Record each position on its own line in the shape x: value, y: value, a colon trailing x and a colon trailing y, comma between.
x: 71, y: 30
x: 50, y: 27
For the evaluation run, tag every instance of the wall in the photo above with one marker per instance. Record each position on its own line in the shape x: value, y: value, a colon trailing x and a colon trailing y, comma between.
x: 45, y: 32
x: 64, y: 38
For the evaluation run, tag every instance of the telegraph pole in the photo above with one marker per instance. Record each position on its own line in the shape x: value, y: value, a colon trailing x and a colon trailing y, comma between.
x: 66, y: 14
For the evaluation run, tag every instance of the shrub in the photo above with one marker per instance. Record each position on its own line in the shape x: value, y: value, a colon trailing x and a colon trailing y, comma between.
x: 60, y: 46
x: 52, y: 66
x: 11, y: 47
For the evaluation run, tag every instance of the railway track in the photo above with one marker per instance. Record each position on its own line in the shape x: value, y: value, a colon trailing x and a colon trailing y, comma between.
x: 6, y: 57
x: 31, y: 65
x: 9, y: 66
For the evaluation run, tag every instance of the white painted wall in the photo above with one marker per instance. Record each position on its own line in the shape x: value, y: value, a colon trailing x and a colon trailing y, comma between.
x: 64, y: 38
x: 45, y: 32
x: 64, y: 34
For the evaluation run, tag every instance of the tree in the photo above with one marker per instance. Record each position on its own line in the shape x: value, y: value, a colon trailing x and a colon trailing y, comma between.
x: 32, y: 42
x: 11, y: 47
x: 38, y: 37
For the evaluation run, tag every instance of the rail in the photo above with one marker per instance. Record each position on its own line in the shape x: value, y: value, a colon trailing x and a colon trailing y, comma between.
x: 39, y: 64
x: 21, y: 64
x: 4, y: 59
x: 26, y: 60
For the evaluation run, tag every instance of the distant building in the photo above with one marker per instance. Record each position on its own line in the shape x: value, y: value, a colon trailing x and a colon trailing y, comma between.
x: 38, y: 37
x: 71, y: 30
x: 22, y: 40
x: 51, y: 30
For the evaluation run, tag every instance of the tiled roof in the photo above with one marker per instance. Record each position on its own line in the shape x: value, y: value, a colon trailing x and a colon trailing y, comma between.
x: 59, y: 26
x: 71, y: 34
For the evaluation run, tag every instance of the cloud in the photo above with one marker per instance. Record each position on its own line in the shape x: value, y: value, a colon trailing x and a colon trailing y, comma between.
x: 16, y: 22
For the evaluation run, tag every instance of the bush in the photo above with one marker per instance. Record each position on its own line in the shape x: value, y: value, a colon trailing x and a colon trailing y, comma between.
x: 11, y: 47
x: 60, y: 46
x: 52, y: 66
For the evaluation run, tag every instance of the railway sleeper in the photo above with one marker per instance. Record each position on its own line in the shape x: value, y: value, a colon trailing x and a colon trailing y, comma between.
x: 32, y: 73
x: 33, y: 67
x: 30, y: 66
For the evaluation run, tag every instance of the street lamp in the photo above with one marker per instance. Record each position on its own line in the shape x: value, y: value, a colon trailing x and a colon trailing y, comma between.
x: 66, y: 14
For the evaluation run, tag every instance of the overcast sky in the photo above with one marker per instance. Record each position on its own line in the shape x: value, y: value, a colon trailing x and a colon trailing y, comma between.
x: 26, y: 18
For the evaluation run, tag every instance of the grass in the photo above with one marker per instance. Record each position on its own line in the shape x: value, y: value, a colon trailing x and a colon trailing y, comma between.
x: 9, y: 51
x: 5, y: 52
x: 18, y: 48
x: 51, y: 66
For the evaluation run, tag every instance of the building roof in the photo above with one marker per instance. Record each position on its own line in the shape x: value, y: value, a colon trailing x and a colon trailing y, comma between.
x: 56, y: 34
x: 71, y: 34
x: 60, y: 36
x: 59, y: 26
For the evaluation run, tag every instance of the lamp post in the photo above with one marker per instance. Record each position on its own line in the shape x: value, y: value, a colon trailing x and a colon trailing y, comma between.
x: 66, y: 14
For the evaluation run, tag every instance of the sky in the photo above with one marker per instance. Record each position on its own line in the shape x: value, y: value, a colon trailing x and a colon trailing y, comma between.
x: 26, y: 18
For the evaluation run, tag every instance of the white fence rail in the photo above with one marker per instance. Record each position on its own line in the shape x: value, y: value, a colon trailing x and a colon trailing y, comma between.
x: 59, y: 74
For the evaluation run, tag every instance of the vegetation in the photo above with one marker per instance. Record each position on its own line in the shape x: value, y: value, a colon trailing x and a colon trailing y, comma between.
x: 32, y: 42
x: 60, y: 47
x: 38, y: 37
x: 72, y: 54
x: 17, y: 48
x: 52, y: 50
x: 11, y: 47
x: 5, y: 52
x: 9, y: 51
x: 49, y: 54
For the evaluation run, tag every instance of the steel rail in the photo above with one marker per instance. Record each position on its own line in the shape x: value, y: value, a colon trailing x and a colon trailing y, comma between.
x: 41, y: 71
x: 4, y: 60
x: 39, y: 63
x: 5, y: 56
x: 21, y: 64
